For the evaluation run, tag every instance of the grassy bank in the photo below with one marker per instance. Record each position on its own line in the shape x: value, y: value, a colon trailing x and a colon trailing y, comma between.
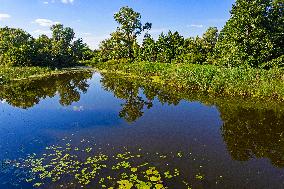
x: 8, y: 74
x: 173, y: 95
x: 249, y: 82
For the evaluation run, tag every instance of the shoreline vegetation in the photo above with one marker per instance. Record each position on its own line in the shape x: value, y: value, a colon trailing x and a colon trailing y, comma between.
x: 169, y: 94
x: 10, y: 74
x: 206, y: 79
x: 210, y: 79
x: 245, y: 58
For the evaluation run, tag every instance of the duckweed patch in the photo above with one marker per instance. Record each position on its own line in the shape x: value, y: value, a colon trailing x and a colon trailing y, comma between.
x: 83, y: 167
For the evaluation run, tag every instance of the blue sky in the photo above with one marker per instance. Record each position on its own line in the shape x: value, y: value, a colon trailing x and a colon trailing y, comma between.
x: 93, y: 19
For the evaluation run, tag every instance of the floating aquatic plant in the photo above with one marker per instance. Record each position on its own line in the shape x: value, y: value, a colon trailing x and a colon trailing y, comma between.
x: 87, y: 166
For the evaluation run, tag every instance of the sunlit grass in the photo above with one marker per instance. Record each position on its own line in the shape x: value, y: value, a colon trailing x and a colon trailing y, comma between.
x: 245, y: 82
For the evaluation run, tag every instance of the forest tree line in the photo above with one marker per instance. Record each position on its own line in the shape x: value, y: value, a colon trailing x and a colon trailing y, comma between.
x: 252, y: 37
x: 19, y: 48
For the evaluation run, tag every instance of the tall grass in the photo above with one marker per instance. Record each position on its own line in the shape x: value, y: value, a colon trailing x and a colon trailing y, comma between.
x: 246, y: 82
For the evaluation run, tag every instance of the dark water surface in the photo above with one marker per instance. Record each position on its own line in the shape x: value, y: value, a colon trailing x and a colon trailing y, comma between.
x: 213, y: 142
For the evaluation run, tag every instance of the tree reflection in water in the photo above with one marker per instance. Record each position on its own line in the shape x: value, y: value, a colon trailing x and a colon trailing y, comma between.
x: 250, y: 129
x: 27, y: 93
x: 122, y: 88
x: 250, y: 133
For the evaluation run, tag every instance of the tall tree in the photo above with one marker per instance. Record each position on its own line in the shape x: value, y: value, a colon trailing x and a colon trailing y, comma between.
x: 62, y: 39
x: 249, y: 36
x: 80, y: 50
x: 149, y: 49
x: 276, y: 26
x: 130, y: 26
x: 209, y: 40
x: 16, y: 47
x: 169, y: 46
x: 43, y: 51
x: 113, y: 48
x: 193, y: 51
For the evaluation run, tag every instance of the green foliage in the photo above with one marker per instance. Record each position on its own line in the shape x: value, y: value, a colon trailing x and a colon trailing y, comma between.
x: 253, y: 35
x: 199, y: 50
x: 113, y: 48
x: 274, y: 63
x: 122, y: 42
x: 169, y: 46
x: 149, y: 49
x: 276, y: 22
x: 43, y: 46
x: 193, y: 51
x: 65, y: 50
x: 211, y: 79
x: 18, y: 48
x: 209, y: 40
x: 130, y: 27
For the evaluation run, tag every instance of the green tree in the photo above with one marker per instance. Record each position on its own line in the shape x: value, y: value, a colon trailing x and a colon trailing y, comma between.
x: 192, y: 52
x: 113, y: 48
x: 169, y: 46
x: 251, y: 36
x: 276, y: 25
x: 43, y: 46
x: 81, y: 51
x: 61, y: 44
x: 130, y: 27
x: 149, y: 49
x: 209, y: 40
x: 16, y: 47
x: 200, y: 50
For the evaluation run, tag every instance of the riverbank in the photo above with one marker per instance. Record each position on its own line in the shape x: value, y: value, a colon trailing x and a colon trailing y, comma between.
x: 219, y: 81
x: 8, y: 74
x: 173, y: 95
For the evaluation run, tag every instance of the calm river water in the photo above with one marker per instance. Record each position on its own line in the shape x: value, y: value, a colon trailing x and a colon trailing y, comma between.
x: 207, y: 142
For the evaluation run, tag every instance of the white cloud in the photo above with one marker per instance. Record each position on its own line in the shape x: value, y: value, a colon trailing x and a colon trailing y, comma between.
x: 195, y: 26
x: 4, y: 16
x: 45, y: 22
x: 45, y: 2
x: 67, y: 1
